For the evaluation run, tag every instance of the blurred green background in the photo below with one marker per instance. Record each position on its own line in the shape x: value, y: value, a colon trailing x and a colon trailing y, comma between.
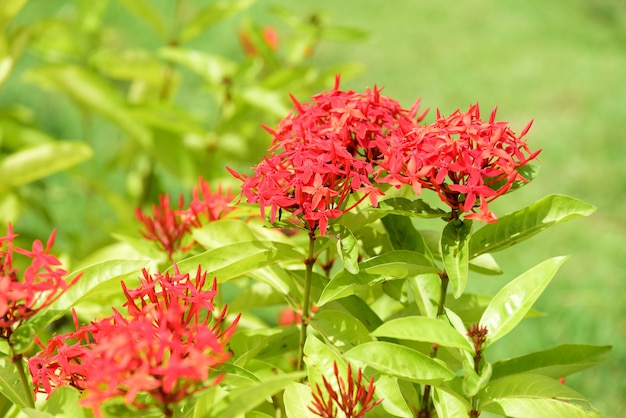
x: 562, y: 64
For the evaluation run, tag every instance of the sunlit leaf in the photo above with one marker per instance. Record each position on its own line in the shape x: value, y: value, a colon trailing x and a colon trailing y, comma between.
x: 237, y: 259
x: 144, y: 10
x: 297, y: 400
x: 341, y: 329
x: 210, y: 15
x: 449, y: 406
x: 347, y: 248
x: 88, y: 286
x: 92, y: 93
x: 11, y: 385
x: 426, y: 289
x: 523, y: 224
x: 403, y: 235
x: 421, y: 328
x: 37, y: 162
x: 555, y: 362
x: 213, y: 68
x: 523, y: 407
x: 401, y: 362
x: 510, y: 305
x: 393, y: 402
x: 64, y: 402
x: 455, y: 253
x: 389, y: 266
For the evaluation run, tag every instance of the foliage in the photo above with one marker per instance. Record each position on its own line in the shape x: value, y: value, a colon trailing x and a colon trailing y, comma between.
x: 379, y: 319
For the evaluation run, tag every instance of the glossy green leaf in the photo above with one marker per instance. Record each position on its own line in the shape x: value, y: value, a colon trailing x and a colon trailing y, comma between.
x: 511, y: 304
x: 523, y: 224
x: 473, y: 382
x: 426, y: 289
x: 485, y: 264
x: 88, y: 286
x: 91, y: 92
x: 33, y: 413
x: 244, y: 399
x: 539, y: 408
x: 319, y: 359
x: 455, y: 253
x: 393, y: 402
x: 237, y: 259
x: 210, y: 15
x: 421, y: 328
x: 404, y: 236
x: 341, y: 329
x: 527, y: 385
x: 10, y: 384
x: 412, y: 208
x: 401, y: 362
x: 37, y: 162
x: 389, y: 266
x: 144, y: 10
x: 297, y: 400
x: 555, y: 362
x: 213, y: 68
x: 64, y: 402
x: 449, y: 406
x: 223, y: 232
x: 359, y: 309
x: 347, y: 248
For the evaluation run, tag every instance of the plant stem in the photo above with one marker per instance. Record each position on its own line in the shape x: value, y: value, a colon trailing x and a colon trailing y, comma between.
x: 308, y: 262
x: 427, y: 406
x: 19, y: 365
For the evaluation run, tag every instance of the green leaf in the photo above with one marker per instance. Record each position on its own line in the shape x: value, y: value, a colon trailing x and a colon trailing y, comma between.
x: 210, y: 15
x: 11, y: 385
x: 509, y: 306
x: 297, y: 400
x: 412, y: 208
x: 91, y: 92
x: 421, y: 328
x: 64, y: 402
x: 403, y: 235
x: 449, y: 406
x: 223, y: 232
x: 523, y: 224
x: 388, y: 389
x: 242, y: 400
x: 485, y: 264
x: 426, y: 289
x: 455, y: 253
x: 555, y: 362
x: 93, y: 279
x: 539, y: 408
x: 473, y: 382
x: 8, y: 10
x: 144, y: 10
x: 347, y: 248
x: 237, y: 259
x: 389, y: 266
x: 213, y: 68
x: 34, y: 163
x: 527, y: 385
x: 341, y: 329
x: 401, y: 362
x: 319, y: 359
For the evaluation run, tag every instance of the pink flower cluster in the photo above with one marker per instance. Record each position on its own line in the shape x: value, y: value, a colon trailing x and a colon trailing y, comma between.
x: 343, y: 143
x: 323, y: 152
x: 165, y: 346
x: 170, y: 227
x: 466, y: 161
x: 23, y: 295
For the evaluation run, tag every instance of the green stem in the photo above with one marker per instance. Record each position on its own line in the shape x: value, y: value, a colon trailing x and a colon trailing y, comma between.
x: 19, y: 365
x: 309, y: 262
x: 427, y: 405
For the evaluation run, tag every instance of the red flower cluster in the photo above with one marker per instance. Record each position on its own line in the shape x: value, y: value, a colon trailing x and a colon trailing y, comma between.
x: 353, y: 399
x: 329, y: 150
x: 165, y: 346
x: 467, y: 161
x: 170, y: 227
x: 42, y: 282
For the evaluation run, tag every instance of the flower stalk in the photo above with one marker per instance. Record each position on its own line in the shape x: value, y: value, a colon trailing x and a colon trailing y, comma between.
x: 306, y: 303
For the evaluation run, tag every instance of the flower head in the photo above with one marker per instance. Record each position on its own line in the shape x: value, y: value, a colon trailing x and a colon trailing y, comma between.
x: 42, y: 282
x: 165, y: 346
x: 467, y: 161
x: 351, y: 397
x: 324, y: 151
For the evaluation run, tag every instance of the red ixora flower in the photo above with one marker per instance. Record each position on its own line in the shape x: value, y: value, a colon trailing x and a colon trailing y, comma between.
x: 170, y: 228
x: 165, y: 346
x: 467, y: 161
x: 352, y: 398
x: 42, y: 282
x: 325, y: 150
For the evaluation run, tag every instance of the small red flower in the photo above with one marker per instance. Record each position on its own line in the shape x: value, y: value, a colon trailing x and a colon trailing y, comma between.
x: 325, y: 151
x: 165, y: 347
x: 467, y: 161
x: 170, y: 228
x: 352, y: 398
x: 42, y: 282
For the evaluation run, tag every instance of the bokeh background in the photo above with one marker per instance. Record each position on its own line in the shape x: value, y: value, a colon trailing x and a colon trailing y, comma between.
x: 562, y: 64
